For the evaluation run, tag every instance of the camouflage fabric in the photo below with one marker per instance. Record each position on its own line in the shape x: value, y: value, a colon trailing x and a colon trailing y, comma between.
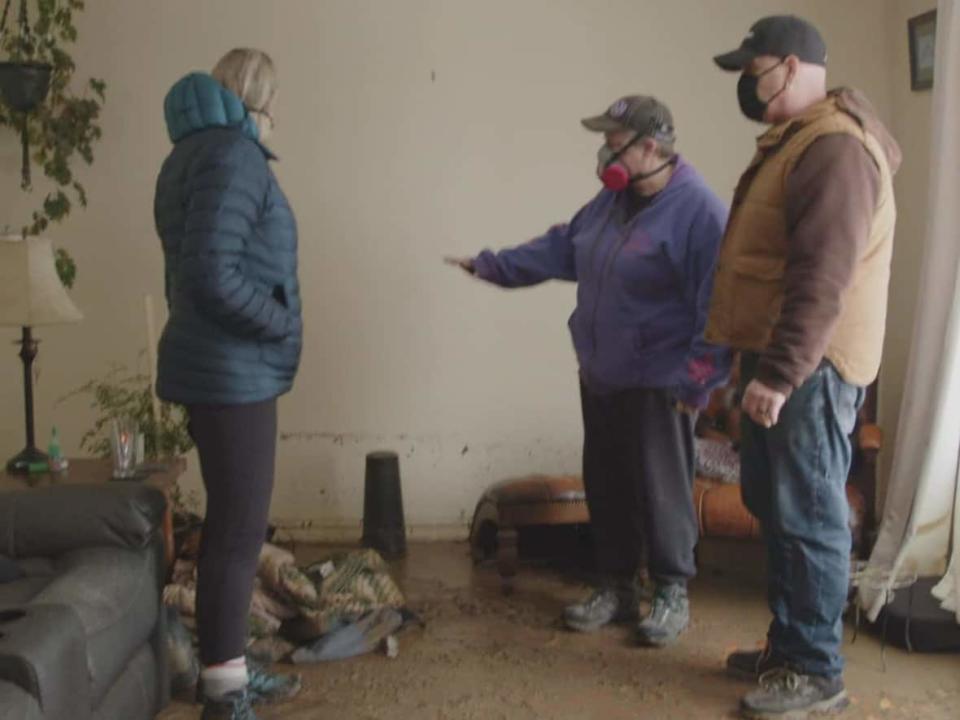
x: 308, y: 602
x: 358, y: 584
x: 297, y: 587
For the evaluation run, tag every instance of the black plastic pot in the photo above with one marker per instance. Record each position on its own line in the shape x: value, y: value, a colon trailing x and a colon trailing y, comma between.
x: 383, y: 524
x: 23, y: 86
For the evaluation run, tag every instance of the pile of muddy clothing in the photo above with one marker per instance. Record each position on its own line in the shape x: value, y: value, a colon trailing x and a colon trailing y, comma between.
x: 341, y: 607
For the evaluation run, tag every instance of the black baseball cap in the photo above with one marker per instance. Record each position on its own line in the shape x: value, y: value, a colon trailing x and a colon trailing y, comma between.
x: 640, y: 113
x: 780, y: 36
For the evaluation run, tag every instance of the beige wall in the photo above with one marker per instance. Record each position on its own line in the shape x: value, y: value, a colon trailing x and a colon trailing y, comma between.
x: 911, y: 125
x: 406, y: 131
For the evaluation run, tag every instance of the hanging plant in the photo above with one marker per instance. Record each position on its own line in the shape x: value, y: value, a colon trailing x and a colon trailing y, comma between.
x: 56, y: 125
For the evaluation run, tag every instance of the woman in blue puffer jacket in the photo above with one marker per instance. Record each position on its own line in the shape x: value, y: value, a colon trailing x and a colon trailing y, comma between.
x: 232, y: 343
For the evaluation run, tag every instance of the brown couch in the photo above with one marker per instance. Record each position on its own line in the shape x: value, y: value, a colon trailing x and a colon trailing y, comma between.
x: 507, y: 507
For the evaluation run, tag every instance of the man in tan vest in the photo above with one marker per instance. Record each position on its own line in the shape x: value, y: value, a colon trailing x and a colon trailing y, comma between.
x: 801, y: 290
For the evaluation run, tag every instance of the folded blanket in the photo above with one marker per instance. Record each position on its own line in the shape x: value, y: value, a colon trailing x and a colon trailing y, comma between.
x: 302, y: 605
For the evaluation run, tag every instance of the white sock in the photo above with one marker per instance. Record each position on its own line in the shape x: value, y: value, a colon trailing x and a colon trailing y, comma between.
x: 218, y: 680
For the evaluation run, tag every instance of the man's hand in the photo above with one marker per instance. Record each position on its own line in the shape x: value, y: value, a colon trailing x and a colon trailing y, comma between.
x: 465, y: 264
x: 763, y: 404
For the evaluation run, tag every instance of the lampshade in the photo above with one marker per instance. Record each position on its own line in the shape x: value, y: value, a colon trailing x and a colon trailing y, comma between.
x: 31, y: 293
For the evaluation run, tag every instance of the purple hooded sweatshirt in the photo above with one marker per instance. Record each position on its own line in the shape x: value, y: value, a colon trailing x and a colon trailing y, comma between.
x: 643, y: 286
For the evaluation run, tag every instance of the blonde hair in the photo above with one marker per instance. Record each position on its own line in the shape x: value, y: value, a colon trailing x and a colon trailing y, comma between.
x: 249, y: 74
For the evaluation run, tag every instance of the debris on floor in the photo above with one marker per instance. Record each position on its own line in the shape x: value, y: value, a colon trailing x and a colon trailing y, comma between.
x: 486, y: 656
x: 339, y: 607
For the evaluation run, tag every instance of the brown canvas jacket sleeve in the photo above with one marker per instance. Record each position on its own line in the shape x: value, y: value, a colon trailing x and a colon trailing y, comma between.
x: 831, y: 197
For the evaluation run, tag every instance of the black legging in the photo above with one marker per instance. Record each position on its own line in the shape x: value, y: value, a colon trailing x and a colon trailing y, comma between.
x: 237, y: 446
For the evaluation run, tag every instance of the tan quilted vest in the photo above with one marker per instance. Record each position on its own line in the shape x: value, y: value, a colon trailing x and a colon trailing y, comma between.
x: 749, y: 282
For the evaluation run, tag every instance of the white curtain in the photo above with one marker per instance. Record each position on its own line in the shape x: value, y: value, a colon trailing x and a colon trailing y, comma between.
x: 922, y: 515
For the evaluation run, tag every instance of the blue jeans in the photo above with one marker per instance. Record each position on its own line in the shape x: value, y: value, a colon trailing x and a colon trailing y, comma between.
x: 793, y: 479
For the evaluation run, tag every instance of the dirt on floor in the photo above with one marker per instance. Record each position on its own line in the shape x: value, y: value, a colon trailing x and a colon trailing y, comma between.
x: 486, y: 656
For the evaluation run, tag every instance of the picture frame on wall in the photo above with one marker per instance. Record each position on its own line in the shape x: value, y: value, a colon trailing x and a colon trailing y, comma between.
x: 922, y: 30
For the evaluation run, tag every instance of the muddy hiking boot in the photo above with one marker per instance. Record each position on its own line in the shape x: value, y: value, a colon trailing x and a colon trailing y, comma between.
x: 788, y: 695
x: 611, y: 603
x: 750, y: 665
x: 668, y: 618
x: 232, y: 706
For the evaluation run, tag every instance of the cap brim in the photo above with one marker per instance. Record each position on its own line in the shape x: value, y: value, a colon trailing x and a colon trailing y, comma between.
x: 736, y: 60
x: 602, y: 123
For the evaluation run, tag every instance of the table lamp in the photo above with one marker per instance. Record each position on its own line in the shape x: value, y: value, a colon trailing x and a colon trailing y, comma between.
x: 31, y: 295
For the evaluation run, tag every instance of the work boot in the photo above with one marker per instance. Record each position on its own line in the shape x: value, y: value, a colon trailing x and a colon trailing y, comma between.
x: 785, y: 694
x: 611, y: 603
x: 232, y: 706
x: 750, y: 665
x: 668, y: 618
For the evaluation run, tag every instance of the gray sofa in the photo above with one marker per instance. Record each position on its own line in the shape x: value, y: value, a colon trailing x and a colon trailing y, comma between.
x: 81, y: 627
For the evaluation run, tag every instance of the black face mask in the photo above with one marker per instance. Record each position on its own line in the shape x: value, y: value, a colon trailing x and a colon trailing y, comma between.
x: 750, y: 103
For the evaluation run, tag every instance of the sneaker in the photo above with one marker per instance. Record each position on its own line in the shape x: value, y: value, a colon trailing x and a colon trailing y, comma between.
x: 604, y: 606
x: 668, y: 618
x: 232, y: 706
x: 264, y: 686
x: 752, y: 664
x: 787, y: 695
x: 267, y: 687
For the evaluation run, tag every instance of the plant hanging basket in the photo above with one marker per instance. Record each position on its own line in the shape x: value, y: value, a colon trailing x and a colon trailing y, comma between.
x: 23, y: 86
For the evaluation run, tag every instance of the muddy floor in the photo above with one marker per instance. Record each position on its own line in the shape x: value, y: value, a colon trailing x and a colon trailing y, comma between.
x: 483, y: 656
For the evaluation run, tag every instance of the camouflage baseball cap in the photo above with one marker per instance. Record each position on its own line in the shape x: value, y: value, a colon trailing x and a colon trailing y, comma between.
x: 642, y: 114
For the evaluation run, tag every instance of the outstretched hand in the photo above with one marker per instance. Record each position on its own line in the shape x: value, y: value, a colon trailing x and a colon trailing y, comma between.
x: 465, y: 264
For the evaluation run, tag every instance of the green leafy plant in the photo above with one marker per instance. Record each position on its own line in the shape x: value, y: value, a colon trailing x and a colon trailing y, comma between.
x: 66, y: 267
x: 122, y: 395
x: 66, y: 125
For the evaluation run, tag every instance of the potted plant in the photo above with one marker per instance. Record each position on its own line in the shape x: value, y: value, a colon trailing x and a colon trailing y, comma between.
x: 37, y: 101
x: 24, y: 85
x: 24, y: 82
x: 120, y: 394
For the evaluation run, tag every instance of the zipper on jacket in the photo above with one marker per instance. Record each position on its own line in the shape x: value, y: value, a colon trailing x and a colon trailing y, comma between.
x: 590, y: 261
x: 608, y: 265
x: 606, y: 270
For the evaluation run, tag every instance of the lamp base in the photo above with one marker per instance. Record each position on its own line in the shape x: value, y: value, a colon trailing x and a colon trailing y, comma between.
x: 20, y: 463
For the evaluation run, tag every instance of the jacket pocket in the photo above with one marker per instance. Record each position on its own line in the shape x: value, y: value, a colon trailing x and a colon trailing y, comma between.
x: 757, y: 294
x: 283, y: 355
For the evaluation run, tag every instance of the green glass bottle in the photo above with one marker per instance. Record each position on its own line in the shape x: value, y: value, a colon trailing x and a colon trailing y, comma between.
x: 57, y: 461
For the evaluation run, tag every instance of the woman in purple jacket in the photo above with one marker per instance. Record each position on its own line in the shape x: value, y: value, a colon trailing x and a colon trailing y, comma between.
x: 642, y: 253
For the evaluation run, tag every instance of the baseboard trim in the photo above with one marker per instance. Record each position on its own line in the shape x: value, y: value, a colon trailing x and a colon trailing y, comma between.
x: 311, y: 531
